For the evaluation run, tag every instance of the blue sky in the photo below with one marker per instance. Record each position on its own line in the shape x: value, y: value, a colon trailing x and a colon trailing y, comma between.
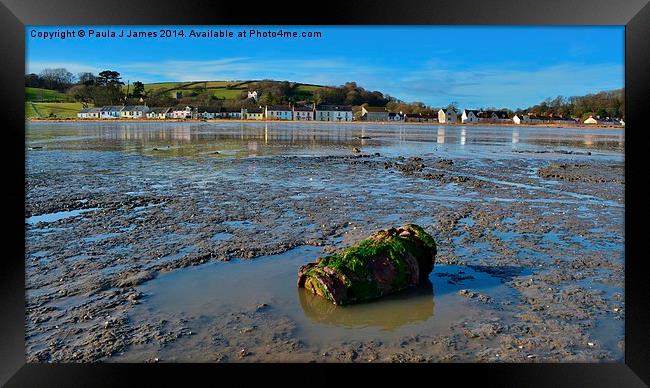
x: 512, y: 67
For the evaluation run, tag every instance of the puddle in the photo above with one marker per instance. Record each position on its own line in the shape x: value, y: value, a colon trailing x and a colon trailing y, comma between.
x: 51, y: 217
x: 240, y: 224
x: 221, y: 236
x: 217, y: 289
x: 99, y: 237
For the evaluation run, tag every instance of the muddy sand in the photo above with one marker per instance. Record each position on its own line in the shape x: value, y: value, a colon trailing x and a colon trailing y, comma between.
x: 181, y: 242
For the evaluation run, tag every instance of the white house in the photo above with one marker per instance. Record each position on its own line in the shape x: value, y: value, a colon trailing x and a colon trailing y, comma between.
x: 520, y: 118
x: 470, y: 116
x: 303, y: 113
x: 159, y: 113
x: 333, y: 113
x: 374, y: 113
x: 252, y: 94
x: 394, y: 116
x: 448, y: 115
x: 181, y: 112
x: 134, y: 112
x: 110, y: 112
x: 252, y: 113
x: 278, y: 112
x: 604, y: 121
x: 89, y: 113
x: 475, y: 116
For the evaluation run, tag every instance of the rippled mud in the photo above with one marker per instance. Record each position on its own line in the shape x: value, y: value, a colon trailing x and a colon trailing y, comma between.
x: 136, y: 254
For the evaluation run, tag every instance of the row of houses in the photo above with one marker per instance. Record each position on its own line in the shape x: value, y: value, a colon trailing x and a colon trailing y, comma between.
x: 371, y: 113
x: 269, y: 112
x: 329, y: 113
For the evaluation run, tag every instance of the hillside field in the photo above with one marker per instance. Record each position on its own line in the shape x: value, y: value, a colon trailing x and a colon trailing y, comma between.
x: 60, y: 109
x: 223, y: 89
x: 43, y: 95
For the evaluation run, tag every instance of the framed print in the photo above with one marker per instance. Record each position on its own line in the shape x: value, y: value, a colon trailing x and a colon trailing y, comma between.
x: 225, y: 187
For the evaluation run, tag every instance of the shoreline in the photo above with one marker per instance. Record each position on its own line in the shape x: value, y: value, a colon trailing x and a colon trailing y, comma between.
x: 585, y: 126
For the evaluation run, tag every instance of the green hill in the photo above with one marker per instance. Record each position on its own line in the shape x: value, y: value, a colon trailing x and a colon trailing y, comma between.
x: 60, y: 110
x: 44, y: 95
x: 225, y: 89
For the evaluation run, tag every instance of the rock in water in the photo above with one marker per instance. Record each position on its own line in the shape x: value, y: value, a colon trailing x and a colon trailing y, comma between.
x: 387, y: 261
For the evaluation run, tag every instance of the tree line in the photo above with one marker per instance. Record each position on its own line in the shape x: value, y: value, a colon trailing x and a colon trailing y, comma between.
x: 105, y: 88
x: 604, y: 104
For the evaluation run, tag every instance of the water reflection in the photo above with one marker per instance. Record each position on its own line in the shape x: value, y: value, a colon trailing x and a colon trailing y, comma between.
x: 389, y: 313
x: 441, y: 135
x: 141, y: 137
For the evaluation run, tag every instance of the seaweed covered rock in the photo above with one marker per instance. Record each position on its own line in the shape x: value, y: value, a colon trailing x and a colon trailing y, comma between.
x: 387, y: 261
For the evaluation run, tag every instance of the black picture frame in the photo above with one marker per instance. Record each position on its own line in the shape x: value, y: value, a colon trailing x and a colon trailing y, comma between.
x: 16, y: 14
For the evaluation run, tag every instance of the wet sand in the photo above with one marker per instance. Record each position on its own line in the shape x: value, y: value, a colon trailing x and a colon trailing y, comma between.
x: 154, y: 242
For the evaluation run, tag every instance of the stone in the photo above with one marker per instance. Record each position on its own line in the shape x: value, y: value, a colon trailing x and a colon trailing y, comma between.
x: 387, y: 261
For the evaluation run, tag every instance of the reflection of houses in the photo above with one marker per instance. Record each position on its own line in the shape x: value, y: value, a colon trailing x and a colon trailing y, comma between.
x: 333, y: 113
x: 420, y: 117
x: 159, y: 113
x: 303, y: 113
x: 110, y: 112
x: 440, y: 139
x: 252, y: 113
x: 89, y: 113
x: 134, y: 112
x: 448, y: 115
x: 278, y: 112
x: 374, y: 113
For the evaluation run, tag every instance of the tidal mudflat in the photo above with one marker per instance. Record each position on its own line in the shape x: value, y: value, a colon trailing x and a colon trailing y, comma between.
x: 168, y: 242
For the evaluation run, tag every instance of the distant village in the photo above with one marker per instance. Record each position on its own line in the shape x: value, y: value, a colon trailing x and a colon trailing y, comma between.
x: 336, y: 113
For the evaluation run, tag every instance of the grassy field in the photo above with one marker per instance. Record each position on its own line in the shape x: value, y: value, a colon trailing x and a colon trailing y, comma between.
x: 40, y: 103
x: 60, y: 109
x: 222, y: 89
x: 43, y: 95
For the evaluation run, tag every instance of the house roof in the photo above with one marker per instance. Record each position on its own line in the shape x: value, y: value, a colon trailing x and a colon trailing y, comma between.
x: 159, y: 110
x: 90, y: 110
x: 421, y: 115
x: 445, y: 110
x: 375, y: 109
x: 279, y: 107
x: 341, y: 108
x: 208, y: 109
x: 302, y: 108
x: 112, y: 108
x: 254, y: 110
x: 502, y: 114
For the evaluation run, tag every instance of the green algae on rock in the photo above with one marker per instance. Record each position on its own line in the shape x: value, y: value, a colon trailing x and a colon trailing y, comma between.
x: 388, y: 261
